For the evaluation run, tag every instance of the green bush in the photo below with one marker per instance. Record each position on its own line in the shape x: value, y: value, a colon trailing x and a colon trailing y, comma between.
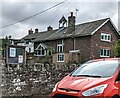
x: 117, y: 49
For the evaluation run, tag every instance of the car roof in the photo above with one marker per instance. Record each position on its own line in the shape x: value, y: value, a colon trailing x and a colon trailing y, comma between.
x: 103, y: 59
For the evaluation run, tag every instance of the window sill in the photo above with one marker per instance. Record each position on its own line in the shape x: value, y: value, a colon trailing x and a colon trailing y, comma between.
x: 59, y: 52
x: 40, y: 55
x: 105, y: 41
x: 104, y: 56
x: 60, y: 61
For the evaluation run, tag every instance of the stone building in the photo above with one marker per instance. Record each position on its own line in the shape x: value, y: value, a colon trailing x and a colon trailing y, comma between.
x: 73, y: 43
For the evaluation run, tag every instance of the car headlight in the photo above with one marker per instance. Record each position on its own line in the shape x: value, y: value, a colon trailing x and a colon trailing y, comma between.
x: 54, y: 89
x: 94, y: 91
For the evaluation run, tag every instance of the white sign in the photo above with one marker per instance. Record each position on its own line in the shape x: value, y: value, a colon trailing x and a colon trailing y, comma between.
x: 12, y: 52
x: 20, y: 59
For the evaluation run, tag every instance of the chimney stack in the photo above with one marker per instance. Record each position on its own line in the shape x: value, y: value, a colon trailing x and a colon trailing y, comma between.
x: 36, y: 30
x: 30, y: 32
x: 71, y: 23
x: 49, y: 28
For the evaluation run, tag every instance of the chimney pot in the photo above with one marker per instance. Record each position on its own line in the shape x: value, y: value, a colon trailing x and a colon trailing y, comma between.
x: 49, y: 28
x: 30, y: 32
x: 71, y: 13
x: 36, y: 30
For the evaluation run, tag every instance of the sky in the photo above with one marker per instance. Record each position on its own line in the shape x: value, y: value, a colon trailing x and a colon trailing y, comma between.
x: 16, y: 10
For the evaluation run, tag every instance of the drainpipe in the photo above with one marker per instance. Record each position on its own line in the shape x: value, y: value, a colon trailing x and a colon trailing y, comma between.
x: 74, y: 43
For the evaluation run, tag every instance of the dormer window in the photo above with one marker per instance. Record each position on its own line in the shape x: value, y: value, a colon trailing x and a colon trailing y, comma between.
x: 40, y: 50
x: 105, y: 37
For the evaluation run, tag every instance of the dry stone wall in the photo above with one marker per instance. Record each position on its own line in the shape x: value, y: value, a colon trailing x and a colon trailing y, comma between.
x: 30, y: 80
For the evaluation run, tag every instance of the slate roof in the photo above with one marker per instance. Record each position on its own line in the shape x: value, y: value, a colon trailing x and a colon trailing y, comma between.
x: 83, y: 29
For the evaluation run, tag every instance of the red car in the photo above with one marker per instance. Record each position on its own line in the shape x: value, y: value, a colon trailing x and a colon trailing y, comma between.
x: 96, y: 78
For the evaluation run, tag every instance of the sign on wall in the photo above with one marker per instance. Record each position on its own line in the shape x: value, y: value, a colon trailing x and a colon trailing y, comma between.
x: 12, y: 52
x: 15, y: 55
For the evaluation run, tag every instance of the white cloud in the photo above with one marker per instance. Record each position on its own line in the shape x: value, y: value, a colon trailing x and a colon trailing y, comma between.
x: 12, y: 1
x: 16, y: 10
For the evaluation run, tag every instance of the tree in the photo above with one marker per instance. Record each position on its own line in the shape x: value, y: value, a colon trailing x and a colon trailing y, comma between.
x: 117, y: 49
x: 5, y: 42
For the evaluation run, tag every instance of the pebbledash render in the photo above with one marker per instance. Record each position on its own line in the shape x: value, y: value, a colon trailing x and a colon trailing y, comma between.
x: 72, y: 43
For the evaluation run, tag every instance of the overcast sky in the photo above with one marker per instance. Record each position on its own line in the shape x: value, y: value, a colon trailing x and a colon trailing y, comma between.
x: 16, y: 10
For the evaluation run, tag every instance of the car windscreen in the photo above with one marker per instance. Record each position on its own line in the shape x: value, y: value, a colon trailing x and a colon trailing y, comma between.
x: 97, y: 69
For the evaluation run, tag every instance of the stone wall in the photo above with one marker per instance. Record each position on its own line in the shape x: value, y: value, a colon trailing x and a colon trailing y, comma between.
x: 30, y: 80
x: 1, y: 67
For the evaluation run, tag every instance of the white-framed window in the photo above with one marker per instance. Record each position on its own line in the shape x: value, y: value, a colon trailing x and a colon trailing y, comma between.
x: 105, y: 37
x: 30, y: 47
x: 60, y: 57
x: 105, y: 53
x: 59, y: 47
x: 41, y: 51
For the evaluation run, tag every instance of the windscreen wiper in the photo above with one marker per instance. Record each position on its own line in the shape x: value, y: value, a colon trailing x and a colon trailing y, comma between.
x: 96, y: 76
